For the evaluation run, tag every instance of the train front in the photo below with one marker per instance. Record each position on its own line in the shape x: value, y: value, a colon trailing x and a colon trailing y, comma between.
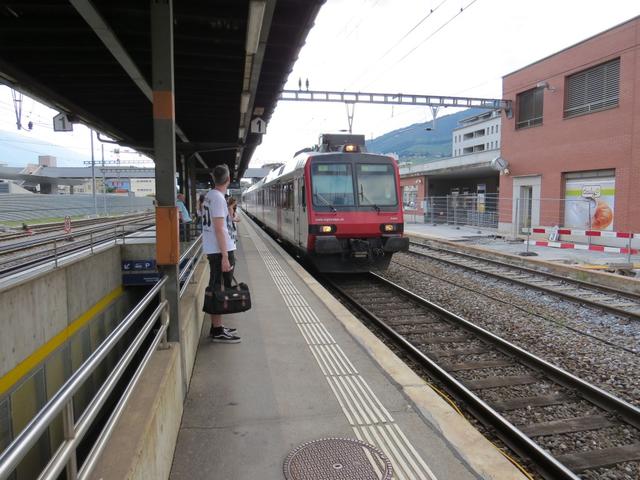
x: 355, y: 215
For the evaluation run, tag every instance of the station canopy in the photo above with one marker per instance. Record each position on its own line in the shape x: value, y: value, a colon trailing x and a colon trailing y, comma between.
x: 92, y: 59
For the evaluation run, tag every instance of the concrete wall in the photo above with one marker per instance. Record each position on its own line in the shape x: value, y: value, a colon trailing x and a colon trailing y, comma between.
x: 36, y: 311
x: 142, y: 444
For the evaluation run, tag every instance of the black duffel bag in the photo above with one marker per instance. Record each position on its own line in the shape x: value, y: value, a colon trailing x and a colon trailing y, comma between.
x: 232, y: 299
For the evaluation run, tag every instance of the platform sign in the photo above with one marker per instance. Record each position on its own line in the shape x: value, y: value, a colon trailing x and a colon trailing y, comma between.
x: 138, y: 265
x: 137, y: 279
x: 61, y: 123
x: 258, y: 125
x: 139, y: 272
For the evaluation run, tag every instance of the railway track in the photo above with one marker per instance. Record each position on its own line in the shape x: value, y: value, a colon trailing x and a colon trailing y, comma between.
x: 605, y: 298
x: 566, y: 427
x: 15, y: 258
x: 58, y: 227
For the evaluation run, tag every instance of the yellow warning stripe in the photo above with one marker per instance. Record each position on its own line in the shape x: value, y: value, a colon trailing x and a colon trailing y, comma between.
x: 24, y: 367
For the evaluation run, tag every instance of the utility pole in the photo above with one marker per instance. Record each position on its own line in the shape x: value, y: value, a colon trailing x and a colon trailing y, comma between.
x: 93, y: 176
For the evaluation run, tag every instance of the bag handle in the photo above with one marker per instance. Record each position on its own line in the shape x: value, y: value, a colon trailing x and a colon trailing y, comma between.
x: 234, y: 282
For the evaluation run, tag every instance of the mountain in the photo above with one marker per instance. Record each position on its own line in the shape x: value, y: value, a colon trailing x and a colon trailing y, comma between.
x: 18, y: 150
x: 418, y: 145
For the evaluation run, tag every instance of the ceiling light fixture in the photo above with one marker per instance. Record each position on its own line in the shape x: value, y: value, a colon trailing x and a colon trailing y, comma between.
x: 254, y: 25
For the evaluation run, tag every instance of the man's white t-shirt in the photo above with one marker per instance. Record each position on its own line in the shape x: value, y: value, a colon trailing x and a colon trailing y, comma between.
x: 215, y: 206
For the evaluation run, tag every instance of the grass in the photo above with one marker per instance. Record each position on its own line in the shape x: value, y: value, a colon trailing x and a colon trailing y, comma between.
x: 38, y: 221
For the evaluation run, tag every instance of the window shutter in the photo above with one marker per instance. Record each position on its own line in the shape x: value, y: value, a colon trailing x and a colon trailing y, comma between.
x: 595, y: 89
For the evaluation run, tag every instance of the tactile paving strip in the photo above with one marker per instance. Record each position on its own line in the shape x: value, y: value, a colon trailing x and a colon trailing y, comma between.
x: 336, y: 459
x: 370, y: 420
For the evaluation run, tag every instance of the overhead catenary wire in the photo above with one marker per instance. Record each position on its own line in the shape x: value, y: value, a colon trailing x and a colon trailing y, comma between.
x: 411, y: 30
x: 425, y: 40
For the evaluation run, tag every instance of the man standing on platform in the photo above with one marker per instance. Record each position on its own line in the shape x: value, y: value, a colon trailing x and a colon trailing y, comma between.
x: 219, y: 245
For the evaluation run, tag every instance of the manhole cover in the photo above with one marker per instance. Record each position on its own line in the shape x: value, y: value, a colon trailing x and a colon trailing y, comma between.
x: 337, y: 459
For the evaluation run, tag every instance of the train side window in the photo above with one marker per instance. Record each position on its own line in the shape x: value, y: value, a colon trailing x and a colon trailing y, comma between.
x: 302, y: 196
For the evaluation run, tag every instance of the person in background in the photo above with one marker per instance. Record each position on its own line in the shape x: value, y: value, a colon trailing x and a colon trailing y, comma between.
x: 232, y: 204
x: 219, y: 246
x: 185, y: 218
x: 200, y: 211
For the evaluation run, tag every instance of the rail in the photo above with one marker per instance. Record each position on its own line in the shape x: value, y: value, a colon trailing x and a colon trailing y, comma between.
x: 54, y: 255
x: 550, y: 466
x: 62, y: 401
x: 194, y: 253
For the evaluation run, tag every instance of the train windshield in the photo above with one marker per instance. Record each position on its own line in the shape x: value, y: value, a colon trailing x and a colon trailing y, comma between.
x: 376, y: 185
x: 332, y: 185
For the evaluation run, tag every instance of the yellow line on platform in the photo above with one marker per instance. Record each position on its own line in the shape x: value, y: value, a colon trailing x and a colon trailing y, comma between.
x: 24, y: 367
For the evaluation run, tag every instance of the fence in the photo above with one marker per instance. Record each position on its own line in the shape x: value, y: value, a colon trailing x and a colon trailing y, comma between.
x: 24, y: 207
x: 473, y: 210
x: 589, y: 222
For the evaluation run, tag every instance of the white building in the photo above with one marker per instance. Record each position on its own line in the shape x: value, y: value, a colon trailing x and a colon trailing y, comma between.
x: 479, y: 133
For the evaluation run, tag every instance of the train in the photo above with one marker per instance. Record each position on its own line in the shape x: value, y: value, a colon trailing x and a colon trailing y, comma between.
x: 335, y: 204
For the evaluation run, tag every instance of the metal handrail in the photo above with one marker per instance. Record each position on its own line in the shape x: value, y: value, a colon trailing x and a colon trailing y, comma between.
x: 94, y: 241
x: 63, y: 236
x: 187, y: 271
x: 62, y: 401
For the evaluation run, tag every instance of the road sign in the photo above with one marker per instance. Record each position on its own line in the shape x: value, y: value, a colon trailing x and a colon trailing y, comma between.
x: 61, y: 123
x: 258, y: 125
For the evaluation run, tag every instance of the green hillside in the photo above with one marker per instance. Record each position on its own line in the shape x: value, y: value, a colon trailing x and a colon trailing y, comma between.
x: 415, y: 144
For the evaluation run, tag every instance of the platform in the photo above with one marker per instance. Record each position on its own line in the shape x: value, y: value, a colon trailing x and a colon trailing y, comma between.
x: 306, y: 370
x: 487, y: 238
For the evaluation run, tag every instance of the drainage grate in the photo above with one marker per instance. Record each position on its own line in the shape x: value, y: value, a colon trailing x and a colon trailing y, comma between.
x: 337, y: 459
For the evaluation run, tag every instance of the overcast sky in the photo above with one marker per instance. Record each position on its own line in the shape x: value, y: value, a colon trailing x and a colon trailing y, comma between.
x: 358, y: 45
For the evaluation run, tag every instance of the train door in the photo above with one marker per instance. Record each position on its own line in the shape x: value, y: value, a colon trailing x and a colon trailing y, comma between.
x: 278, y: 207
x: 296, y: 211
x: 301, y: 213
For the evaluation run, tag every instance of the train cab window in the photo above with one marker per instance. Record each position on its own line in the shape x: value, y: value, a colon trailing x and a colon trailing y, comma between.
x: 376, y: 185
x: 332, y: 185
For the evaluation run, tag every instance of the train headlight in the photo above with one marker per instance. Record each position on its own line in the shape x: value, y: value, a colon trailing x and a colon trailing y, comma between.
x: 326, y: 228
x: 351, y: 148
x: 391, y: 227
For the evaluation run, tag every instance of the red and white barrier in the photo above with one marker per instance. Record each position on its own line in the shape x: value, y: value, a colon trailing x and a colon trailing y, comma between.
x: 584, y: 233
x: 577, y: 246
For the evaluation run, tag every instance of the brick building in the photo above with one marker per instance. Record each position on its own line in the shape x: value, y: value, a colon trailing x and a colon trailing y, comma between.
x: 573, y: 142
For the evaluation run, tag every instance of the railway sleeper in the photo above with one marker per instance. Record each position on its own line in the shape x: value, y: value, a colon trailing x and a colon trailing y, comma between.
x: 606, y: 457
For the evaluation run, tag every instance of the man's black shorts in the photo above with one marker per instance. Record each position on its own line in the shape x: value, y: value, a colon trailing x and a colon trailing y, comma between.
x: 215, y: 268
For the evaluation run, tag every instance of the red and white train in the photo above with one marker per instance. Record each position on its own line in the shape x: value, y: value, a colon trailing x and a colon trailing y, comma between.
x: 336, y: 204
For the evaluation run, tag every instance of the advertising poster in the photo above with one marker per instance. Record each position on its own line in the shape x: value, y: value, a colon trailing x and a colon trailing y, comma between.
x: 589, y: 203
x: 117, y: 185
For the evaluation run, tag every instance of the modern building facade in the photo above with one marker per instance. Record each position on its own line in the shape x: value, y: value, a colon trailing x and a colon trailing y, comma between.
x: 466, y: 182
x: 573, y: 142
x: 479, y: 133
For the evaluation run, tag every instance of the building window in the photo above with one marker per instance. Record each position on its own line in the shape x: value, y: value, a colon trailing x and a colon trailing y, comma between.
x: 497, y: 126
x: 529, y: 108
x: 594, y: 89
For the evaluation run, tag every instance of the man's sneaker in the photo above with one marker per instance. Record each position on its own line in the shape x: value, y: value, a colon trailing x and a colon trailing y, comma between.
x: 225, y: 337
x: 232, y: 331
